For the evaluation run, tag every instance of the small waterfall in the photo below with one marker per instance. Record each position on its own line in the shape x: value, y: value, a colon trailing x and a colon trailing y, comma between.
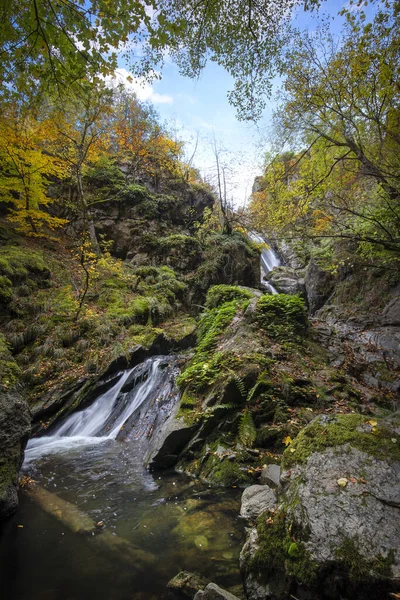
x: 269, y: 260
x: 117, y: 412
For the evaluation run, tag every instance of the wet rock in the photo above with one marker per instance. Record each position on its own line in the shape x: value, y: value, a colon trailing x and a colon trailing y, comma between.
x: 319, y: 286
x: 214, y: 592
x: 270, y: 476
x: 15, y: 426
x: 185, y: 585
x: 174, y: 440
x: 255, y: 500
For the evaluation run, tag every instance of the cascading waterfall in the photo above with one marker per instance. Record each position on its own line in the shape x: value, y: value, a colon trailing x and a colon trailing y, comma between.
x: 269, y: 260
x: 111, y: 415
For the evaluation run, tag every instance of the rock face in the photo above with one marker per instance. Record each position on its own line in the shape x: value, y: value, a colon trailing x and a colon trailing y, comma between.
x: 15, y: 426
x: 319, y: 285
x: 337, y: 526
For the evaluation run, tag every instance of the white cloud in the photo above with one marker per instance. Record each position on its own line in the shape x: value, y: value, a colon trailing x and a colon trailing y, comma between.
x: 142, y: 88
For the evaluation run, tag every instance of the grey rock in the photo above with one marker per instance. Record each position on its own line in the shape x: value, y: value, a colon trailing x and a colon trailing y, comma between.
x: 287, y: 281
x: 366, y: 513
x: 254, y: 586
x: 319, y: 285
x: 255, y: 500
x: 270, y: 476
x: 391, y: 313
x: 185, y: 585
x: 214, y: 592
x: 15, y: 427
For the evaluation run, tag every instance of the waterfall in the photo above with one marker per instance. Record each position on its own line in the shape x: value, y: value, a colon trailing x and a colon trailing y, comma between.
x: 269, y: 260
x: 116, y: 412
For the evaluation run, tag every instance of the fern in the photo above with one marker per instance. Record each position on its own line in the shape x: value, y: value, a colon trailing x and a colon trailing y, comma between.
x: 247, y: 430
x: 240, y: 385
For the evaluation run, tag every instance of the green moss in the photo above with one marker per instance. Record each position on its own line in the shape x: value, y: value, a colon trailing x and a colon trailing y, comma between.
x: 282, y: 316
x: 9, y: 370
x: 5, y: 290
x: 219, y: 294
x: 352, y: 429
x: 206, y: 364
x: 282, y: 555
x: 359, y: 569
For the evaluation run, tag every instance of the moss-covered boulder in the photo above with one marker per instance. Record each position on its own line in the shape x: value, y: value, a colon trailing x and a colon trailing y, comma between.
x: 336, y: 530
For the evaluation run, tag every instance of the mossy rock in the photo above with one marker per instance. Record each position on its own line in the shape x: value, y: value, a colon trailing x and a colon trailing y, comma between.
x: 219, y: 294
x: 282, y: 316
x: 376, y: 438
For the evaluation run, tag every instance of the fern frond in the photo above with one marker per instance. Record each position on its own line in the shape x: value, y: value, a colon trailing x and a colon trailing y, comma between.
x: 240, y: 385
x: 247, y: 430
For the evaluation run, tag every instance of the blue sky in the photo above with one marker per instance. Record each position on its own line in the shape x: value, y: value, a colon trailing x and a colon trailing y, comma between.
x: 199, y: 108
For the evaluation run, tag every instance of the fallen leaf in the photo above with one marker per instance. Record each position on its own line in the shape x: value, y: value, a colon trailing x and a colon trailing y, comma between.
x: 287, y: 440
x: 373, y: 422
x: 342, y: 481
x: 292, y: 449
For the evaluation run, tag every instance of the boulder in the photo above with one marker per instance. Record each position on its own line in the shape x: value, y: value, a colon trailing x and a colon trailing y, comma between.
x: 270, y: 476
x: 287, y: 281
x: 336, y: 529
x: 214, y: 592
x: 184, y: 586
x: 319, y: 286
x: 15, y: 427
x: 256, y: 499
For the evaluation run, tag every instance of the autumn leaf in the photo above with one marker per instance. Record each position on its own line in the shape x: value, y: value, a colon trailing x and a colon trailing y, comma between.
x: 287, y: 440
x: 342, y: 481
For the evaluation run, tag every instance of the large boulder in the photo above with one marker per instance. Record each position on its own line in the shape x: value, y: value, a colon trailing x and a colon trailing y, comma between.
x: 256, y: 499
x: 15, y: 426
x: 336, y: 532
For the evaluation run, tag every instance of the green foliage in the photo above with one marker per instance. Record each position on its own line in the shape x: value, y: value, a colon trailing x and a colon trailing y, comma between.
x: 247, y: 432
x: 219, y: 294
x: 282, y: 316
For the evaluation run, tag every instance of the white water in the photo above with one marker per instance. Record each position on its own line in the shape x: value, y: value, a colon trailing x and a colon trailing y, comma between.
x: 86, y: 427
x: 269, y: 260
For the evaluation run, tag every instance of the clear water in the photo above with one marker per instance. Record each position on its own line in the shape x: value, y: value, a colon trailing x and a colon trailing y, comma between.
x: 168, y: 521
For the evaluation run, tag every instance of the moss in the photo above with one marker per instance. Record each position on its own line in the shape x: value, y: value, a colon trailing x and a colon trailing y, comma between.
x: 360, y: 569
x: 5, y: 290
x: 9, y: 370
x: 282, y: 555
x: 206, y: 364
x: 219, y: 294
x: 352, y: 429
x: 282, y: 316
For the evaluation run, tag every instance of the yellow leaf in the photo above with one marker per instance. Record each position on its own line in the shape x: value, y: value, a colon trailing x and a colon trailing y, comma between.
x: 373, y: 422
x: 292, y: 449
x: 287, y: 440
x: 342, y: 481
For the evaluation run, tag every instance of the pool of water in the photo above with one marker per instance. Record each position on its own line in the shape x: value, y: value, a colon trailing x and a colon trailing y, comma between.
x: 167, y: 521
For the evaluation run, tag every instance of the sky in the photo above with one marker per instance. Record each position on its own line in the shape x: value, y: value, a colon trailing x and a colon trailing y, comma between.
x: 199, y: 110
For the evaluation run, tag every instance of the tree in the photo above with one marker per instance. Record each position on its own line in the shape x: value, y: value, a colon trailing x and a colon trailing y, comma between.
x: 341, y: 104
x: 57, y: 42
x: 27, y: 166
x: 82, y: 123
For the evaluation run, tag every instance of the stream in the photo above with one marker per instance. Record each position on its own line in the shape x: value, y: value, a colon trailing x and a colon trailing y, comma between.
x: 150, y: 526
